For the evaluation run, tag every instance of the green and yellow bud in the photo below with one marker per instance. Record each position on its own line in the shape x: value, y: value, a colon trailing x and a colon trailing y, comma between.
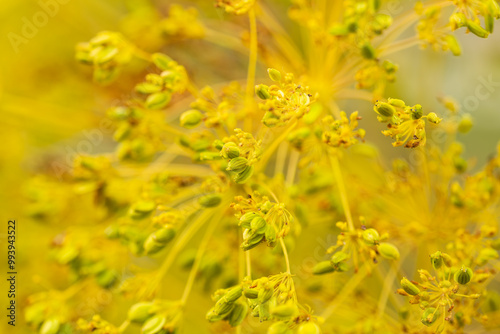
x: 285, y: 311
x: 323, y: 267
x: 476, y: 29
x: 463, y: 275
x: 238, y: 314
x: 243, y: 176
x: 237, y: 165
x: 158, y: 100
x: 409, y: 287
x: 258, y: 225
x: 154, y: 325
x: 234, y: 294
x: 371, y: 236
x: 429, y: 316
x: 210, y: 201
x: 230, y: 150
x: 308, y: 328
x: 50, y: 326
x: 396, y: 102
x: 262, y: 91
x: 190, y: 119
x: 274, y: 74
x: 388, y: 251
x: 140, y: 312
x: 433, y: 118
x: 384, y: 109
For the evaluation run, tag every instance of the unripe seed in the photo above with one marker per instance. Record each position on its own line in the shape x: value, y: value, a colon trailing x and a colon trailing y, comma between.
x: 237, y: 165
x: 153, y: 325
x: 429, y: 316
x: 244, y: 175
x: 409, y: 287
x: 191, y: 118
x: 262, y: 91
x: 210, y: 201
x: 463, y: 275
x: 258, y: 225
x: 384, y: 109
x: 308, y: 328
x: 274, y: 74
x: 388, y: 251
x: 50, y: 326
x: 323, y: 267
x: 140, y: 312
x: 238, y: 314
x: 285, y: 311
x: 371, y: 236
x: 230, y: 150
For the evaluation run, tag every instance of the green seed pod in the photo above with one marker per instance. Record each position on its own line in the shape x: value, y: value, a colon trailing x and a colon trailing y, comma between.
x: 142, y: 209
x: 233, y: 294
x: 253, y: 242
x: 367, y: 51
x: 308, y: 328
x: 264, y: 312
x: 265, y: 295
x: 246, y: 219
x: 279, y: 328
x: 164, y: 235
x: 223, y: 307
x: 122, y: 132
x: 463, y: 275
x: 212, y: 317
x: 270, y: 235
x: 161, y: 61
x: 436, y: 260
x: 409, y: 287
x: 262, y: 91
x: 230, y: 150
x: 243, y: 177
x: 158, y: 100
x: 371, y: 236
x: 285, y: 311
x: 388, y: 251
x: 465, y: 124
x: 151, y: 246
x: 237, y: 165
x: 251, y: 293
x: 258, y: 225
x: 453, y: 45
x: 338, y: 30
x: 50, y: 326
x: 429, y: 316
x: 433, y: 118
x: 107, y: 278
x: 416, y: 111
x: 140, y: 312
x: 457, y: 20
x: 339, y: 257
x: 396, y: 102
x: 476, y: 29
x: 190, y: 119
x: 238, y: 314
x: 384, y: 109
x: 154, y: 325
x: 274, y: 74
x: 210, y: 201
x: 323, y: 267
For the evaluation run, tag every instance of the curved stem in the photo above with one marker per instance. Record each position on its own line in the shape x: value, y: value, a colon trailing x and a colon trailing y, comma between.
x: 285, y: 252
x: 343, y: 193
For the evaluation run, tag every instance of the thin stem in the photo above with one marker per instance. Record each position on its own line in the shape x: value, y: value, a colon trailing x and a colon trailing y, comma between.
x: 249, y: 264
x: 384, y: 295
x: 252, y: 62
x: 285, y: 252
x: 199, y: 255
x: 123, y: 326
x: 343, y: 193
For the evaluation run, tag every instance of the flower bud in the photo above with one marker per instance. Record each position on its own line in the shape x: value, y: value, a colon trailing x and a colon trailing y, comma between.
x: 371, y: 236
x: 140, y: 312
x: 384, y: 109
x: 158, y: 100
x: 285, y: 311
x: 465, y: 124
x: 264, y: 295
x: 154, y: 325
x: 258, y: 225
x: 457, y: 20
x: 476, y: 29
x: 274, y: 74
x: 433, y: 118
x: 429, y: 316
x: 210, y: 201
x: 223, y: 307
x: 279, y: 328
x: 212, y: 317
x: 339, y: 257
x: 238, y: 314
x: 161, y: 61
x: 164, y: 235
x: 409, y: 287
x: 243, y: 176
x: 463, y: 275
x: 191, y: 118
x: 436, y: 260
x: 262, y: 91
x: 230, y: 150
x: 246, y: 219
x: 396, y: 102
x: 367, y: 51
x: 233, y: 294
x: 416, y: 111
x: 308, y: 328
x: 50, y: 326
x: 251, y: 293
x: 141, y: 209
x: 237, y: 164
x: 270, y: 235
x: 388, y: 251
x: 323, y: 267
x: 453, y: 45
